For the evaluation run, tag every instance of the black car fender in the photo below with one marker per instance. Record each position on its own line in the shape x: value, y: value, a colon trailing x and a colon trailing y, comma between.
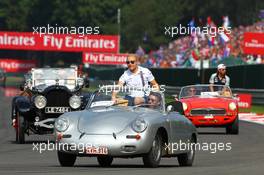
x: 21, y: 104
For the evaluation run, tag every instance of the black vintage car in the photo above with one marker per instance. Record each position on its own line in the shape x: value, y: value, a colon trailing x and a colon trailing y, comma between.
x: 46, y: 94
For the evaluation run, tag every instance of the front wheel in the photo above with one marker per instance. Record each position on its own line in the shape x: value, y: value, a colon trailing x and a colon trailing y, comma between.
x: 66, y: 159
x: 105, y: 161
x: 186, y: 159
x: 20, y: 129
x: 233, y: 128
x: 153, y: 157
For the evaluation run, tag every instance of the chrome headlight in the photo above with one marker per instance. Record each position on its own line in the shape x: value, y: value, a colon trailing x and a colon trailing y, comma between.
x: 232, y: 106
x: 40, y: 101
x: 61, y: 124
x: 185, y: 106
x: 75, y: 101
x: 139, y: 125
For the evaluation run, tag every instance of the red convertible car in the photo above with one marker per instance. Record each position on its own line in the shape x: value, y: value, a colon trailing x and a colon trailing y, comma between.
x: 210, y: 106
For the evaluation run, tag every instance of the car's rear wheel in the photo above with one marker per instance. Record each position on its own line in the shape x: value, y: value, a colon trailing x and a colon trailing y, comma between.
x: 234, y: 127
x: 105, y: 161
x: 20, y: 129
x: 186, y: 159
x: 66, y: 159
x: 153, y: 157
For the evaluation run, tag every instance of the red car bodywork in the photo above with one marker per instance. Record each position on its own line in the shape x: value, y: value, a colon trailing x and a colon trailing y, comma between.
x: 210, y: 112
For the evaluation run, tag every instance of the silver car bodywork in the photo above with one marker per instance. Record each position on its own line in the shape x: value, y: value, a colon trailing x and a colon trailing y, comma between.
x: 111, y: 127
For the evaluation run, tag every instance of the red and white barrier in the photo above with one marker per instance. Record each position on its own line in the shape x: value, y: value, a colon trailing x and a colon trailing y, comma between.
x: 252, y: 117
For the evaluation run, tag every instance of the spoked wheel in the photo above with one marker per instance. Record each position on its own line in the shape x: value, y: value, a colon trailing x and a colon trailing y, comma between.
x: 20, y: 129
x: 105, y: 161
x: 186, y: 159
x: 66, y: 159
x: 152, y: 158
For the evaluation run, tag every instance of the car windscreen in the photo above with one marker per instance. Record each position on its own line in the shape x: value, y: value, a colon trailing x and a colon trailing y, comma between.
x: 204, y: 91
x: 104, y: 98
x: 45, y: 77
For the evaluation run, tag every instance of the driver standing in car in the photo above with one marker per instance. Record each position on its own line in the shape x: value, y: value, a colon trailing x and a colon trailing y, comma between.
x: 220, y: 77
x: 137, y: 79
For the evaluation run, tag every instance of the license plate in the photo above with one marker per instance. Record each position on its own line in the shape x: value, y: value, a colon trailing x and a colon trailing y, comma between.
x: 96, y: 150
x: 209, y: 116
x: 57, y: 109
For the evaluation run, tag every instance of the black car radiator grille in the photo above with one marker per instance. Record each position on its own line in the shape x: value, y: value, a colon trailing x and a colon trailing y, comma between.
x: 208, y: 112
x: 58, y: 98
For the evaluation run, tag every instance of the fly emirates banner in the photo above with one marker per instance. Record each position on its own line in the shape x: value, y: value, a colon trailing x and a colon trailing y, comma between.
x: 59, y: 42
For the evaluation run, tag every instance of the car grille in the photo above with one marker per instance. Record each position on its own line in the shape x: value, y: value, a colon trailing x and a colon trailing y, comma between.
x: 58, y: 98
x: 208, y: 112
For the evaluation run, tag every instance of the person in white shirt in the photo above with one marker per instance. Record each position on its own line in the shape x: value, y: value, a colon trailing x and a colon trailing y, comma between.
x: 137, y: 79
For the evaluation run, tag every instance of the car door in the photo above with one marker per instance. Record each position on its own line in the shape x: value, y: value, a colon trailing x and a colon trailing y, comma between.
x: 177, y: 131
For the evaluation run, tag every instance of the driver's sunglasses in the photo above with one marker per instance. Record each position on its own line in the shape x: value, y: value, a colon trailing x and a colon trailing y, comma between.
x: 130, y: 62
x: 192, y: 90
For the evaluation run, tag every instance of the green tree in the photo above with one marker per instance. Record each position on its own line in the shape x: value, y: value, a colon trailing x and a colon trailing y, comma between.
x: 142, y: 22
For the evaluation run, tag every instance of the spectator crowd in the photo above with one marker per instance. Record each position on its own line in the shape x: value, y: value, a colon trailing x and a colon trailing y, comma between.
x: 189, y: 50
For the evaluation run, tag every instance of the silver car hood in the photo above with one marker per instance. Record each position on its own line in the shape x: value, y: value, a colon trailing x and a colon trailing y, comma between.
x: 104, y: 120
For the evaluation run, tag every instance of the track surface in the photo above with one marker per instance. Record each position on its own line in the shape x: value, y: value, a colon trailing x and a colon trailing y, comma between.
x: 245, y: 157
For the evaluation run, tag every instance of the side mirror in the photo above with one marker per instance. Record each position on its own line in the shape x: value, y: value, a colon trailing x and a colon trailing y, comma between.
x: 170, y: 108
x: 86, y: 82
x: 177, y: 106
x: 175, y: 96
x: 235, y: 95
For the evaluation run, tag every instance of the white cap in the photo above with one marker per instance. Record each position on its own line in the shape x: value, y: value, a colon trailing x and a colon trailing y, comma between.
x: 221, y: 66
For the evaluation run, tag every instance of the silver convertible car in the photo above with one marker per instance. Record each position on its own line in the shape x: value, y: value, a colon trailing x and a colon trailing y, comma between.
x: 108, y: 129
